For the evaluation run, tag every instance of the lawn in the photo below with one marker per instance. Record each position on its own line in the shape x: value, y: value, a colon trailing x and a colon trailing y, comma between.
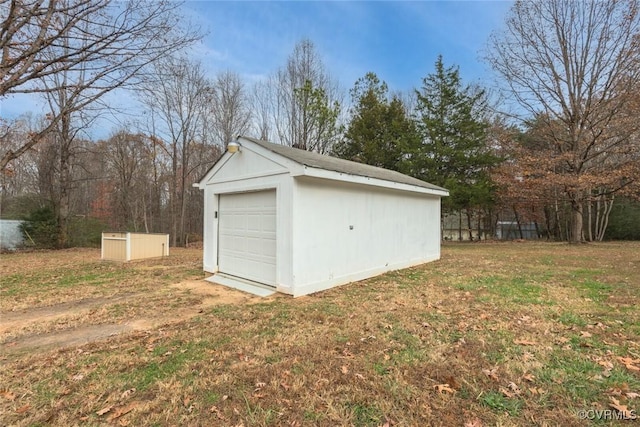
x: 492, y: 334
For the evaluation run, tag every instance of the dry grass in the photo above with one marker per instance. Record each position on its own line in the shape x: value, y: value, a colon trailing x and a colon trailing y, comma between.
x: 493, y: 334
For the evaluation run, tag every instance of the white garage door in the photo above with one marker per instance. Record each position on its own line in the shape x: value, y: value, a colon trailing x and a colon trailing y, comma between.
x: 247, y: 236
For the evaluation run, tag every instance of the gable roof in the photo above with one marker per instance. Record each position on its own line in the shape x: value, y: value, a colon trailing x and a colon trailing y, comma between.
x: 321, y: 161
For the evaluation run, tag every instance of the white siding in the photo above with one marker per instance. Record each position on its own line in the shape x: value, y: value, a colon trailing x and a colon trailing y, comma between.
x: 345, y: 232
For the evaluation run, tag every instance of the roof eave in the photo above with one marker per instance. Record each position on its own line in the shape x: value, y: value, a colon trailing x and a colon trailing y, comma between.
x: 358, y: 179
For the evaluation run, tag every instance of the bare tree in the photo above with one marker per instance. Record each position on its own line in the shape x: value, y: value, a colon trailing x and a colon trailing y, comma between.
x: 111, y: 42
x: 179, y: 98
x: 18, y: 184
x: 129, y: 168
x: 261, y: 101
x: 575, y: 63
x: 306, y: 101
x: 229, y: 108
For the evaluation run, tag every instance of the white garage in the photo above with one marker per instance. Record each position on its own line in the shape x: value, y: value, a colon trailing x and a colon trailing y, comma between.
x: 287, y: 220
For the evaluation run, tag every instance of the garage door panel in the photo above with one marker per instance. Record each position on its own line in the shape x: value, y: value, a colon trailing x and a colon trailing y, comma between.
x: 247, y: 235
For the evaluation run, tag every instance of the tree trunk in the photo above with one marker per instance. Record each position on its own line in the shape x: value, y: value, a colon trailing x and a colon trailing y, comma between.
x: 547, y: 220
x: 469, y: 226
x: 173, y: 204
x: 590, y: 215
x: 601, y: 224
x: 576, y: 229
x: 62, y: 214
x: 515, y: 212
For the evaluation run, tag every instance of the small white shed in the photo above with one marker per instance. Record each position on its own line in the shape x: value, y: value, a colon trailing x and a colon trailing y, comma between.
x: 298, y: 222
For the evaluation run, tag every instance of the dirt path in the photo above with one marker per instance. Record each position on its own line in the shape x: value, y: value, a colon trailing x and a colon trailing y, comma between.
x: 11, y: 320
x: 212, y: 295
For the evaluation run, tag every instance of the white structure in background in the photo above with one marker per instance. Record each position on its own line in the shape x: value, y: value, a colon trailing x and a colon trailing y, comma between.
x: 10, y: 235
x: 281, y: 219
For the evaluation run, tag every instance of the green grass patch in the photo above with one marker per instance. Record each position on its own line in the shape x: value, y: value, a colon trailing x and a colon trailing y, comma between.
x: 365, y: 414
x: 573, y: 374
x: 500, y: 404
x: 571, y: 319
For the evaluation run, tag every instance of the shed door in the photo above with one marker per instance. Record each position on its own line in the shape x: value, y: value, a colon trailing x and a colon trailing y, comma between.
x: 247, y: 236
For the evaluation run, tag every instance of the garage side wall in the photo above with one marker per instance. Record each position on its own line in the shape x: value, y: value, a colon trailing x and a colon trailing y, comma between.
x: 345, y: 232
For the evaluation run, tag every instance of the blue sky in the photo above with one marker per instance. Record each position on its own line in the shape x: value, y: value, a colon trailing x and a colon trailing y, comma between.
x: 398, y: 40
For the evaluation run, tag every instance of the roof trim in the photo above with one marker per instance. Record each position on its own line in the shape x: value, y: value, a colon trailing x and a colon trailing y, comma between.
x: 323, y: 166
x: 366, y: 180
x: 322, y: 162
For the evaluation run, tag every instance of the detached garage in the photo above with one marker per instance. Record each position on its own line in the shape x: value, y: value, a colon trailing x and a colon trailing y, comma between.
x: 281, y: 219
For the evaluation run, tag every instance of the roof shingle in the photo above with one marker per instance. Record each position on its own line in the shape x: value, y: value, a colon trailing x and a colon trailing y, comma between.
x: 321, y: 161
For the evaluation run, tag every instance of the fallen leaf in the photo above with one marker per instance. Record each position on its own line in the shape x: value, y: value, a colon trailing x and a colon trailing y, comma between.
x: 623, y: 409
x: 606, y: 364
x: 122, y: 411
x: 473, y: 423
x: 125, y: 394
x: 214, y: 409
x: 444, y: 388
x: 630, y: 363
x: 23, y: 409
x: 505, y: 392
x: 7, y: 395
x: 585, y: 334
x: 514, y: 387
x: 525, y: 342
x: 632, y: 395
x: 104, y: 410
x: 344, y: 369
x: 529, y: 377
x: 536, y: 391
x: 78, y: 377
x: 491, y: 373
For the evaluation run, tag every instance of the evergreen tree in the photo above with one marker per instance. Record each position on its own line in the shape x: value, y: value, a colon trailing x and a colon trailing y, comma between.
x: 380, y: 131
x: 453, y: 150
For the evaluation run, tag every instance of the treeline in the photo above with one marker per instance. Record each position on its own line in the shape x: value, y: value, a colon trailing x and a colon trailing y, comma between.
x: 566, y: 156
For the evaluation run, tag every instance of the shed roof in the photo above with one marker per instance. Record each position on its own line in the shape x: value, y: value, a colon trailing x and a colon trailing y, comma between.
x: 321, y: 161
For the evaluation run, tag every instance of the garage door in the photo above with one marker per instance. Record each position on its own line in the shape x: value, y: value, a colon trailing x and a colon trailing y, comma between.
x: 247, y: 236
